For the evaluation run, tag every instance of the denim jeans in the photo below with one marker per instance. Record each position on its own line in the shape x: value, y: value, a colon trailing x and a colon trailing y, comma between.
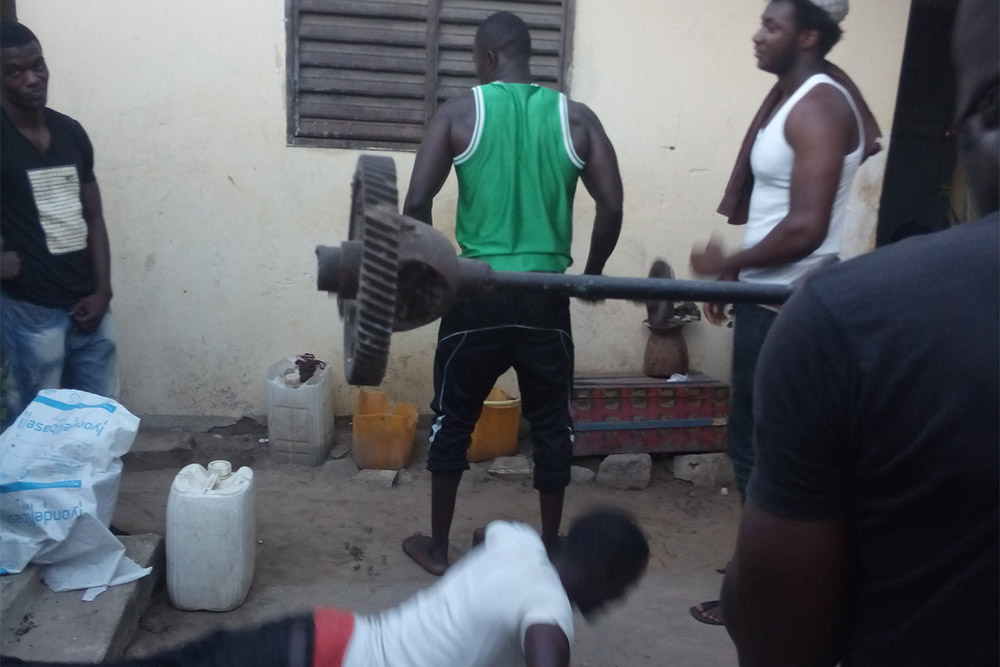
x: 752, y: 324
x: 42, y: 348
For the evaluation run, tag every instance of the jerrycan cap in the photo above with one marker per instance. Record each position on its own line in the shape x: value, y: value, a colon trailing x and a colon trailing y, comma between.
x: 222, y: 469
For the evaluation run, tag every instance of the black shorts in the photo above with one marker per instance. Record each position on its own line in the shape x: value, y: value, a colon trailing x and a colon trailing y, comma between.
x: 478, y: 340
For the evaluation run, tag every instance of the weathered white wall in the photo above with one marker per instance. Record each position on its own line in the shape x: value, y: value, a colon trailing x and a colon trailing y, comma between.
x: 213, y: 219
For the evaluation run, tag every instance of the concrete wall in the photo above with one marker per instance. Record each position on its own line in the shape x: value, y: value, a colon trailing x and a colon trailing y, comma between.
x: 213, y: 219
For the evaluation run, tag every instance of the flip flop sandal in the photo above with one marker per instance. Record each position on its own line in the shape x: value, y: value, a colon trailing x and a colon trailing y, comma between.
x: 700, y: 615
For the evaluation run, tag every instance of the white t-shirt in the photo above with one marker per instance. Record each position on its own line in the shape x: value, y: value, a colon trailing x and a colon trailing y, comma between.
x: 771, y: 160
x: 476, y: 615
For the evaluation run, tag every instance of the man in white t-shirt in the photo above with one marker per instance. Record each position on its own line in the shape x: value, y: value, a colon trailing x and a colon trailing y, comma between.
x: 504, y: 603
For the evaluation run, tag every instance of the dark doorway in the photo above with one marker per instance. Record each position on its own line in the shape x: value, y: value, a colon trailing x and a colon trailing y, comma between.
x: 922, y: 192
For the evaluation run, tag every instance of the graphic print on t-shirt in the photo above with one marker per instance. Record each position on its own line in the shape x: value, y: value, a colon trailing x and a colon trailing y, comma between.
x: 57, y: 198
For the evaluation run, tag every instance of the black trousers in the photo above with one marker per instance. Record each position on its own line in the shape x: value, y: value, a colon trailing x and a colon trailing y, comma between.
x: 478, y: 341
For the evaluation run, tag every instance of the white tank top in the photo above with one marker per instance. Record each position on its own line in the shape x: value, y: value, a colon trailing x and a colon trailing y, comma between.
x: 771, y: 160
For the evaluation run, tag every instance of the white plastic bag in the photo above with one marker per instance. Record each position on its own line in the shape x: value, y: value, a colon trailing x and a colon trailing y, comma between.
x: 60, y: 470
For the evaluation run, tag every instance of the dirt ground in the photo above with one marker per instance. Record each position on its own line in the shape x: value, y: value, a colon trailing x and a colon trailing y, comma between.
x: 327, y: 538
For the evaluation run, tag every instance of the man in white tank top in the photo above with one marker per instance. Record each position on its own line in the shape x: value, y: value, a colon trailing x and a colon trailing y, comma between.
x: 803, y: 159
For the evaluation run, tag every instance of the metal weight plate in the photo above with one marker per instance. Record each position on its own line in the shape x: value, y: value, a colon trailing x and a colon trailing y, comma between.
x: 368, y: 318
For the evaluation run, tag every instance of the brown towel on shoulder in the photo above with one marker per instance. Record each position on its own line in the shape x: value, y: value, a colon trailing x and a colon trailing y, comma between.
x: 736, y: 202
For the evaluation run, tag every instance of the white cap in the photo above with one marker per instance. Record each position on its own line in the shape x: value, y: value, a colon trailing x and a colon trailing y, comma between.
x: 837, y: 9
x: 221, y: 468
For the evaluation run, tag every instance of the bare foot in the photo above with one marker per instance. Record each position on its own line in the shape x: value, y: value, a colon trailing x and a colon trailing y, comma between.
x: 421, y: 549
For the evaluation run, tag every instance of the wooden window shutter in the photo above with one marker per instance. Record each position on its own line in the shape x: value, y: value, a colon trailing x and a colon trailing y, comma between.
x: 371, y: 73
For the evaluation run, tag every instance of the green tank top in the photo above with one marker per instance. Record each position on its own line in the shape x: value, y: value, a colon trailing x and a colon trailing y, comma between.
x: 517, y: 179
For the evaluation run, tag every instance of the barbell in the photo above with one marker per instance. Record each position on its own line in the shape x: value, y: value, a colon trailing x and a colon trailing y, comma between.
x: 395, y: 273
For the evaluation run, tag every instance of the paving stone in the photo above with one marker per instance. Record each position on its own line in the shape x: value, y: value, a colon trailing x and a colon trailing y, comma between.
x: 340, y: 451
x: 46, y: 626
x: 511, y: 467
x: 383, y: 478
x: 704, y: 470
x: 625, y: 471
x: 340, y: 469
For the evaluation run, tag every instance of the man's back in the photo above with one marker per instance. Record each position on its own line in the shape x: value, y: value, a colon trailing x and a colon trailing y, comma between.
x: 517, y: 179
x: 905, y: 445
x: 476, y: 615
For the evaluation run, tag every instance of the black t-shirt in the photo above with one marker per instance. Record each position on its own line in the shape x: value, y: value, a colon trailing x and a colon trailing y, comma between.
x: 878, y: 402
x: 41, y: 215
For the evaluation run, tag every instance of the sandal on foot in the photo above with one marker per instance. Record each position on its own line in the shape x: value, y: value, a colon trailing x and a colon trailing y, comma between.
x: 700, y: 612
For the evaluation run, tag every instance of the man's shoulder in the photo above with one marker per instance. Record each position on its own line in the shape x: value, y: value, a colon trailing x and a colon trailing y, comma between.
x: 458, y: 106
x: 580, y: 111
x: 824, y: 102
x: 962, y: 253
x: 58, y: 116
x: 582, y: 119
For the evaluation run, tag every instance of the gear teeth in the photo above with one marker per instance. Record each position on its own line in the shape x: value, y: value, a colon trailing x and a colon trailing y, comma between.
x: 375, y: 222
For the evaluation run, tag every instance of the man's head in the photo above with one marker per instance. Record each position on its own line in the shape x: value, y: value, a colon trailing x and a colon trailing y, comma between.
x: 501, y: 37
x: 976, y: 52
x: 792, y: 29
x: 24, y: 77
x: 604, y: 555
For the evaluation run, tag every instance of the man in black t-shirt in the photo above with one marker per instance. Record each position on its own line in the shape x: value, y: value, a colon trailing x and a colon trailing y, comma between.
x: 55, y: 268
x: 871, y: 531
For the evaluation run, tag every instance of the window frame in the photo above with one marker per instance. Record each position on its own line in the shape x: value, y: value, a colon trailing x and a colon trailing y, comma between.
x: 446, y: 25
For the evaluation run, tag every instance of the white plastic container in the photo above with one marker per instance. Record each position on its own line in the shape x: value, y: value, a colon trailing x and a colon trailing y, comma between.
x: 299, y: 419
x: 211, y: 537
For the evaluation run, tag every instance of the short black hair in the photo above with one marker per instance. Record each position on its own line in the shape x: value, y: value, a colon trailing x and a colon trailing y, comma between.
x: 812, y: 17
x: 14, y: 34
x: 610, y: 538
x: 506, y: 33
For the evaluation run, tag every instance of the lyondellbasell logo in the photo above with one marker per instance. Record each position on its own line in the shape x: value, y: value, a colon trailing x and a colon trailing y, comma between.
x: 26, y: 422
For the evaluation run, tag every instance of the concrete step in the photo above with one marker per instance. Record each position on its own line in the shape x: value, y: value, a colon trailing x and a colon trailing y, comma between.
x: 39, y: 624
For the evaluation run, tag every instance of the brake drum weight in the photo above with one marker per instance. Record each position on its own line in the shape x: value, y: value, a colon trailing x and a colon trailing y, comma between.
x: 395, y: 273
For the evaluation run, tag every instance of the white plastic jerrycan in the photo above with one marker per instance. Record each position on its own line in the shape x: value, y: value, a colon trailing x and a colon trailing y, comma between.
x: 211, y: 537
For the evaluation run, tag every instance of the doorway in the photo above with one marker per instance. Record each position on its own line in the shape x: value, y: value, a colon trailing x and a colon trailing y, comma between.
x: 924, y: 191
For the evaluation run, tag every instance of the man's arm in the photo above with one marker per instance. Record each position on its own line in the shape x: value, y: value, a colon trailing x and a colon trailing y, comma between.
x: 603, y: 181
x: 546, y: 645
x: 820, y: 130
x: 434, y: 157
x: 90, y: 310
x: 785, y: 591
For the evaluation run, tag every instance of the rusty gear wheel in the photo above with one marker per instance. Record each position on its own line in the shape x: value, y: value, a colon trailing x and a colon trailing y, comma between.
x: 369, y: 317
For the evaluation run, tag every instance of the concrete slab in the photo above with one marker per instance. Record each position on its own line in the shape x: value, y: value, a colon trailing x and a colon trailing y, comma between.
x: 159, y: 448
x: 17, y: 595
x: 43, y: 625
x: 511, y: 467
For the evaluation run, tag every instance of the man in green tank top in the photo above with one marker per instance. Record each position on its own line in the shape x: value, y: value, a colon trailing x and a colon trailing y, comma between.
x: 518, y: 150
